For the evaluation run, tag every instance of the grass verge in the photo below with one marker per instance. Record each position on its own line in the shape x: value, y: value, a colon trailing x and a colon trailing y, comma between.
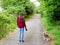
x: 54, y: 30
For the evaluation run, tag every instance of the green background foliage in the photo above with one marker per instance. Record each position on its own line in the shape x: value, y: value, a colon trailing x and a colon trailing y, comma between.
x: 50, y: 9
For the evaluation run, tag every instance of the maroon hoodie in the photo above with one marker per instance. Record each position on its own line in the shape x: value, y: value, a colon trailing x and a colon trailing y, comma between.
x: 21, y: 21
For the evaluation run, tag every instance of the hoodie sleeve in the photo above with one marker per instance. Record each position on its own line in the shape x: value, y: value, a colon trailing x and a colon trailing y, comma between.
x: 24, y: 24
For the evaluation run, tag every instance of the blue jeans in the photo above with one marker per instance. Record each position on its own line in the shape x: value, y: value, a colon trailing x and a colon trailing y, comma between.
x: 21, y: 33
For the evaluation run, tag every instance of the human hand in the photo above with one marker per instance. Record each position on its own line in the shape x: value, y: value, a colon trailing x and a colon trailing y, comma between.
x: 26, y: 29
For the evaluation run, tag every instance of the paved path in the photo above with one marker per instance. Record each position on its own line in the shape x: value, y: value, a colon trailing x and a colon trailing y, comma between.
x: 34, y: 35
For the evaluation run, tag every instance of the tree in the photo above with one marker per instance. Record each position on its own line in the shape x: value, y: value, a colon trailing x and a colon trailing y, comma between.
x: 50, y: 9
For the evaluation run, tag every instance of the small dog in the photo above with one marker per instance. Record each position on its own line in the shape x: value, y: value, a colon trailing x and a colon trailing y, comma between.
x: 47, y: 37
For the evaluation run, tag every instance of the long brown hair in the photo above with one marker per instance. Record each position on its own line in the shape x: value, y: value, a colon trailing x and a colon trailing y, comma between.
x: 21, y: 13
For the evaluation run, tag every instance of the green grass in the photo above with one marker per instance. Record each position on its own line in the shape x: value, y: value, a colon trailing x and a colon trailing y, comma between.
x: 54, y: 30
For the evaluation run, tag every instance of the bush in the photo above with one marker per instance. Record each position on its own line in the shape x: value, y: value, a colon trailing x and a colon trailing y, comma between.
x: 50, y: 9
x: 6, y: 21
